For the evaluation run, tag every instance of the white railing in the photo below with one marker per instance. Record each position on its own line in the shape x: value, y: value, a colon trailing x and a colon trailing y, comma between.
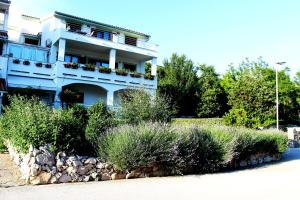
x: 96, y: 76
x: 120, y: 40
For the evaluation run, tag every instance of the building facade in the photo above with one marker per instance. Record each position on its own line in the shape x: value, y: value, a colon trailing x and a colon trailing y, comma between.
x: 62, y: 52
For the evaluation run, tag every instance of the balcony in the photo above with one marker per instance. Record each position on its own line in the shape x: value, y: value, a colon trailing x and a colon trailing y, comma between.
x: 84, y: 74
x: 32, y: 69
x: 114, y: 41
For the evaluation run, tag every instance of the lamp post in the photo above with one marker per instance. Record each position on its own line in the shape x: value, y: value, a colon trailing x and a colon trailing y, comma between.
x: 277, y: 99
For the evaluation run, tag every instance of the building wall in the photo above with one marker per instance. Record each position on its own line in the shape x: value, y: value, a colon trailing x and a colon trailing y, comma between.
x: 92, y: 93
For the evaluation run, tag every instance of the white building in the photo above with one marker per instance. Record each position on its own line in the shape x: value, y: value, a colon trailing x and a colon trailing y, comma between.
x: 62, y: 51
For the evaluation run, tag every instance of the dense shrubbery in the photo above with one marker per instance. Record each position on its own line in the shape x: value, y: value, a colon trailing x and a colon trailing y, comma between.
x: 175, y: 148
x: 186, y: 150
x: 99, y: 120
x: 138, y: 106
x: 198, y: 121
x: 29, y: 121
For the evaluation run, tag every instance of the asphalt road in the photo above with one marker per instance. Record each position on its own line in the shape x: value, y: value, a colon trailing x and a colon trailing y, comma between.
x: 270, y: 182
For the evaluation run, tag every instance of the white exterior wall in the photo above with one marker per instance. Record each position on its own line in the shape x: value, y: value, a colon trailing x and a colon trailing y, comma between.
x: 94, y: 85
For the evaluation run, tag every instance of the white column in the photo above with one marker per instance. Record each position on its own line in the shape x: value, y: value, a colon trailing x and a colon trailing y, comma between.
x: 5, y: 22
x: 53, y: 53
x: 57, y: 101
x: 142, y: 67
x: 110, y: 98
x: 154, y: 66
x: 61, y: 50
x: 112, y: 59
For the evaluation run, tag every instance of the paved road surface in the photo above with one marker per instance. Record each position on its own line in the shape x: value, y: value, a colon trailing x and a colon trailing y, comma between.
x: 272, y: 182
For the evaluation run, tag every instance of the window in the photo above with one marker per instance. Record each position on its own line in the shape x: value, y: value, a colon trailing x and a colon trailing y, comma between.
x: 106, y: 35
x: 31, y: 41
x: 72, y: 58
x: 130, y: 40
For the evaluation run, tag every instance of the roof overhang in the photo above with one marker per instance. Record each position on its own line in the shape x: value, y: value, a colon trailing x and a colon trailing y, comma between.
x: 102, y: 25
x: 4, y: 4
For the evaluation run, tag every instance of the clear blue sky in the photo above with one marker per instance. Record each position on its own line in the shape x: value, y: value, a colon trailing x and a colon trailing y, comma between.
x: 216, y: 32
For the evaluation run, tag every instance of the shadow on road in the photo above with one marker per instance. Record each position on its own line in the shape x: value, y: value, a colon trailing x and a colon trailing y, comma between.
x: 291, y: 154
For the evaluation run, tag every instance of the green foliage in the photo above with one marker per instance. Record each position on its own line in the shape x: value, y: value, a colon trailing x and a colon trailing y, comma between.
x: 2, y: 146
x: 198, y: 151
x: 130, y: 147
x: 212, y: 97
x: 177, y: 79
x: 198, y: 121
x: 29, y: 121
x: 99, y: 120
x: 251, y: 94
x: 138, y: 106
x: 186, y: 150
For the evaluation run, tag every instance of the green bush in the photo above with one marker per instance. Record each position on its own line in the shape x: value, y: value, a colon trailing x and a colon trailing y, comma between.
x: 138, y: 106
x: 30, y: 122
x: 198, y: 121
x: 186, y: 150
x: 129, y: 147
x: 198, y: 151
x: 99, y: 120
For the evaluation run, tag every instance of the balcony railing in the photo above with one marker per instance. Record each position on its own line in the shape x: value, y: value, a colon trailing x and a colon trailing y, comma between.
x: 102, y: 74
x: 108, y: 36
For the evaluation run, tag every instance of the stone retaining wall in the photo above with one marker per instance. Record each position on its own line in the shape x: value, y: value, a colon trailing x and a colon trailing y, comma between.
x: 40, y: 166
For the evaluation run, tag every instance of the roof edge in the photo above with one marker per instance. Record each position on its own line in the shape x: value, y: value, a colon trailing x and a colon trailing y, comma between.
x: 64, y: 15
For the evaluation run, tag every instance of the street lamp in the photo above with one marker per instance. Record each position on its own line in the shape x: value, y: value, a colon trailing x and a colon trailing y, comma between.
x: 277, y: 99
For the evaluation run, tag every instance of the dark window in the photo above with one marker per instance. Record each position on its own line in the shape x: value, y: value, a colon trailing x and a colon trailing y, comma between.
x: 1, y: 48
x: 101, y: 34
x: 130, y: 67
x: 31, y: 41
x: 73, y: 27
x: 130, y: 40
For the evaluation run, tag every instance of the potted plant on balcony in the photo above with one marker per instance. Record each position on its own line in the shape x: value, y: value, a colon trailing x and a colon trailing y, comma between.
x: 74, y: 65
x: 68, y: 65
x: 121, y: 72
x: 89, y: 67
x: 48, y: 65
x: 26, y: 62
x: 136, y: 75
x: 16, y: 61
x: 39, y: 64
x: 148, y: 76
x: 104, y: 70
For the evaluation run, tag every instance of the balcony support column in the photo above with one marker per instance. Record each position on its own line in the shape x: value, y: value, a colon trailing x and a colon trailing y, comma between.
x: 142, y: 67
x: 61, y: 50
x: 57, y: 100
x: 154, y: 66
x: 112, y: 59
x: 110, y: 98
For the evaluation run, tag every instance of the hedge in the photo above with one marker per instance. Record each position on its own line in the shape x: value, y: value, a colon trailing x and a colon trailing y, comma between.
x: 186, y: 150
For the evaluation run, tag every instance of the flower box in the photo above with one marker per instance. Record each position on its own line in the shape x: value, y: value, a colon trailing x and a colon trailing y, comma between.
x: 39, y: 64
x: 121, y: 72
x: 89, y: 67
x: 48, y: 66
x: 26, y: 62
x: 104, y: 70
x: 149, y: 77
x: 71, y: 65
x: 16, y: 61
x: 136, y: 75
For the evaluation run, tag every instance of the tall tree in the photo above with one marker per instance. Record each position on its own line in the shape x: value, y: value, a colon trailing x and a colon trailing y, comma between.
x: 178, y: 80
x: 251, y: 93
x: 212, y: 97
